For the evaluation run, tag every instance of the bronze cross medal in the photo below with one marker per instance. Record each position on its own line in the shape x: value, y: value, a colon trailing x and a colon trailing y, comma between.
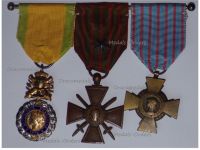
x: 151, y: 104
x: 95, y: 114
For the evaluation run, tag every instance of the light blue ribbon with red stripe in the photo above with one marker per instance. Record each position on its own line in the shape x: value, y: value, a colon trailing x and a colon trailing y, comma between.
x: 158, y: 33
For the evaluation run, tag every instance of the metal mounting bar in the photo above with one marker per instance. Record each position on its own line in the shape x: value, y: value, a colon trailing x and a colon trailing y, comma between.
x: 11, y: 6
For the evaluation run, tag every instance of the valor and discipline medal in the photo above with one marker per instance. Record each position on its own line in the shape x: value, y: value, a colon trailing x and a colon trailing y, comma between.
x: 45, y: 42
x: 36, y: 119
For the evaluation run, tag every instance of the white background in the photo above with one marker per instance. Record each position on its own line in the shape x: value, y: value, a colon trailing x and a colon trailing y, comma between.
x: 70, y: 77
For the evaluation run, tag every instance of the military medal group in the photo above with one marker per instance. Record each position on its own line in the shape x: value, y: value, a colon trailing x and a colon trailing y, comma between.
x: 98, y: 32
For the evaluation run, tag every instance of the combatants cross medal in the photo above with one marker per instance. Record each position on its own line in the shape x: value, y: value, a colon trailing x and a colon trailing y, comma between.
x: 158, y: 37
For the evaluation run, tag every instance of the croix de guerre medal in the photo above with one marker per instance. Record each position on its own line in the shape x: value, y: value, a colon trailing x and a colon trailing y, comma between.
x: 157, y: 38
x: 97, y: 30
x: 44, y: 42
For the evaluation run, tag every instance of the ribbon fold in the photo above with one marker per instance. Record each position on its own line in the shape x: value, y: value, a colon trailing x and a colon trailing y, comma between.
x: 101, y: 34
x: 45, y: 31
x: 158, y: 33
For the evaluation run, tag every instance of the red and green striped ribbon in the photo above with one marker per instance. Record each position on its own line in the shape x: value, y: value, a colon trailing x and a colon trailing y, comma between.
x: 101, y: 34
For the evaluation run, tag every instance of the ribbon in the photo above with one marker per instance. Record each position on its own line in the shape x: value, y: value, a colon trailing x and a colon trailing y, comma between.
x: 45, y: 31
x: 158, y: 33
x: 100, y: 34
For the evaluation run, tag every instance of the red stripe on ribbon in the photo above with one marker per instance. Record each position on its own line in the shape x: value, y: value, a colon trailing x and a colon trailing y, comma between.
x: 101, y: 38
x: 149, y: 36
x: 182, y: 27
x: 91, y: 37
x: 110, y: 22
x: 118, y: 31
x: 133, y: 28
x: 166, y: 38
x: 157, y: 36
x: 82, y: 53
x: 141, y: 31
x: 174, y: 33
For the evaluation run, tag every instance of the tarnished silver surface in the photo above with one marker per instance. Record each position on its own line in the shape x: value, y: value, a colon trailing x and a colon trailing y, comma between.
x: 36, y: 120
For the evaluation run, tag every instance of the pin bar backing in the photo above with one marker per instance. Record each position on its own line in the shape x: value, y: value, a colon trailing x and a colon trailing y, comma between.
x: 11, y: 6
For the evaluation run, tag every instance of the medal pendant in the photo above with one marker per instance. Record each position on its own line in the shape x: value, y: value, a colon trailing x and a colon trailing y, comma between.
x: 36, y: 119
x: 95, y: 114
x: 151, y: 104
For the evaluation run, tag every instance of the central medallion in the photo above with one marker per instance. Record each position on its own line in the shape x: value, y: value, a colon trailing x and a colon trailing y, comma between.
x: 151, y: 104
x: 35, y: 120
x: 95, y: 115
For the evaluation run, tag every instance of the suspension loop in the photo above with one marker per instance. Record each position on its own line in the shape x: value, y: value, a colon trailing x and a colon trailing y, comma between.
x: 42, y: 66
x: 97, y: 77
x: 156, y: 73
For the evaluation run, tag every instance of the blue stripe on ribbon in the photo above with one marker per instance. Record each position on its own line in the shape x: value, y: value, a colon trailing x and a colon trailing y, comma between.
x: 170, y: 34
x: 162, y: 23
x: 137, y: 31
x: 145, y: 35
x: 162, y: 34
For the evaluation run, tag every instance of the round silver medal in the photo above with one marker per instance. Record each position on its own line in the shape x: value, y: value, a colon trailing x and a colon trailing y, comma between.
x: 36, y: 120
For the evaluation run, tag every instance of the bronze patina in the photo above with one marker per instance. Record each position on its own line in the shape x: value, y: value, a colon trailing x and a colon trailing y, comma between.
x: 95, y: 114
x: 151, y: 104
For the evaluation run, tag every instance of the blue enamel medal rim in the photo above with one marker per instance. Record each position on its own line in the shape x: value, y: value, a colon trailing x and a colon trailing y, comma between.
x: 48, y: 111
x: 27, y: 111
